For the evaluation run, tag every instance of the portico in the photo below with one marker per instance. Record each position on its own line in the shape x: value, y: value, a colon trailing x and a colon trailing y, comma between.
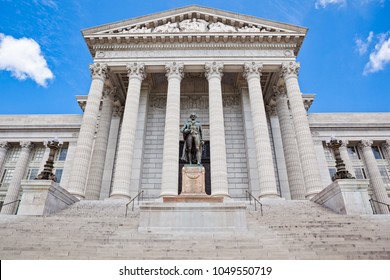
x: 166, y: 65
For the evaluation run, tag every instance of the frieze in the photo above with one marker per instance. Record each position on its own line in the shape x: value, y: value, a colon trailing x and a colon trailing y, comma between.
x: 195, y: 102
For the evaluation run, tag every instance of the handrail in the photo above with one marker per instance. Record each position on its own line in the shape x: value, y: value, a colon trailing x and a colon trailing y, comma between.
x: 17, y: 207
x: 373, y: 206
x: 255, y: 200
x: 132, y: 201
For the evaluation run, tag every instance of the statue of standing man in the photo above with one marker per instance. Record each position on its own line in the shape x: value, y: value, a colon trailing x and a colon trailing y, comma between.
x: 193, y: 140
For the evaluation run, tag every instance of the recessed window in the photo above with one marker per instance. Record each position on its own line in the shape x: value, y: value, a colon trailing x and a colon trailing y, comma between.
x: 353, y: 152
x: 61, y: 155
x: 377, y: 152
x: 332, y: 171
x: 13, y: 154
x: 7, y: 177
x: 384, y: 174
x: 37, y: 154
x: 32, y: 173
x: 360, y: 173
x: 328, y: 153
x: 58, y: 174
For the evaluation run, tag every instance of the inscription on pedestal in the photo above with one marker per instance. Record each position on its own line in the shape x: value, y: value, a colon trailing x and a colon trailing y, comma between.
x: 193, y: 179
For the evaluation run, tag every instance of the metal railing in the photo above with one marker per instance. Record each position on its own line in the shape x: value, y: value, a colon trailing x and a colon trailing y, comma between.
x: 373, y: 205
x: 255, y: 201
x: 17, y: 206
x: 139, y: 195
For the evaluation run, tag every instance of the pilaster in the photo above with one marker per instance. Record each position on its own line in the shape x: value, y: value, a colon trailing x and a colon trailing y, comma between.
x: 4, y: 146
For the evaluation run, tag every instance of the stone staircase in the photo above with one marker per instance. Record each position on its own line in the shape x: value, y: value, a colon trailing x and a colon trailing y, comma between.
x: 288, y: 230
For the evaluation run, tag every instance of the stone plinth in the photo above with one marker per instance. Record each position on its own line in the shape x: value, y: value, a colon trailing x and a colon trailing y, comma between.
x: 205, y: 217
x: 43, y: 197
x: 346, y: 196
x: 194, y: 179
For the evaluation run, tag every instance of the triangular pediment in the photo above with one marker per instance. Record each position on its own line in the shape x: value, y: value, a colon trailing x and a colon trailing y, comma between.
x: 193, y: 19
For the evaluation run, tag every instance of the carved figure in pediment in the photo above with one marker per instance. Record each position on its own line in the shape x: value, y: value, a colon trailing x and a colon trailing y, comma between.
x: 143, y: 29
x: 220, y: 27
x: 248, y: 29
x: 193, y: 25
x: 169, y: 27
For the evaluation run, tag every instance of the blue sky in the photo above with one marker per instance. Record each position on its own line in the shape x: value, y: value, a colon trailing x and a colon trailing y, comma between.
x: 345, y: 59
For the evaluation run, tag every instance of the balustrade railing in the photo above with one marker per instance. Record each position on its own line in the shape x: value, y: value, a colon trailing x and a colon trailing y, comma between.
x: 138, y: 196
x: 255, y: 201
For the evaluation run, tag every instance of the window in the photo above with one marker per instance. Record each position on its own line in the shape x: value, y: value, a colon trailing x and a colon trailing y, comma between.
x: 37, y: 154
x: 13, y: 154
x: 32, y: 173
x: 58, y: 174
x: 332, y: 171
x: 377, y: 152
x: 61, y: 155
x: 384, y: 174
x: 360, y: 173
x: 328, y: 153
x: 6, y: 178
x: 353, y: 152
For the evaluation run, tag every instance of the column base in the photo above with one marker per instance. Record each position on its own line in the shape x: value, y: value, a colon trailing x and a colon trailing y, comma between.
x: 120, y: 196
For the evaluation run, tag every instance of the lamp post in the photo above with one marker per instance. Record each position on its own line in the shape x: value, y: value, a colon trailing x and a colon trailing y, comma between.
x: 47, y: 173
x: 342, y: 172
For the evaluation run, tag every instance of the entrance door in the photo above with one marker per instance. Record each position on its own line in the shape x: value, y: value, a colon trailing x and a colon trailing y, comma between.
x: 205, y: 163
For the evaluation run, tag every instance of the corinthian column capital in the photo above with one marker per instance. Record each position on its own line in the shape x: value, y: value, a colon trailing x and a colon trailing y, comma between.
x: 98, y: 71
x: 174, y: 70
x: 290, y: 68
x: 110, y: 93
x: 214, y: 70
x: 252, y: 69
x: 280, y: 92
x: 136, y: 70
x: 365, y: 143
x: 4, y: 145
x: 385, y: 145
x: 26, y: 144
x: 344, y: 143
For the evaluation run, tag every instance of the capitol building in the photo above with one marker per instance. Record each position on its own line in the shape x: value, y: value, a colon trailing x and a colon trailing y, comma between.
x: 240, y: 75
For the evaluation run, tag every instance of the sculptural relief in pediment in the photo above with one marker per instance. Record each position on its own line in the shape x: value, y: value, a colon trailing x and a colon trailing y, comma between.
x: 193, y: 25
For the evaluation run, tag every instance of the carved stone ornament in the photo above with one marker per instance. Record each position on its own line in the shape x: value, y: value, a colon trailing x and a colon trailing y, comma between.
x: 117, y: 111
x: 365, y: 143
x: 214, y: 69
x: 47, y: 174
x: 343, y: 143
x: 193, y: 25
x: 110, y: 93
x: 99, y: 70
x: 174, y: 69
x: 271, y: 110
x: 280, y: 92
x: 231, y: 101
x: 220, y: 27
x: 136, y: 70
x: 248, y: 29
x: 289, y: 68
x: 252, y: 68
x: 168, y: 27
x: 26, y: 144
x: 385, y: 145
x: 4, y: 145
x: 342, y: 172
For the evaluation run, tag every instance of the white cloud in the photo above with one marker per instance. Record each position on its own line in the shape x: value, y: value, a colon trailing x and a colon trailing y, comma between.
x: 324, y: 3
x: 362, y: 46
x: 23, y: 58
x: 380, y: 56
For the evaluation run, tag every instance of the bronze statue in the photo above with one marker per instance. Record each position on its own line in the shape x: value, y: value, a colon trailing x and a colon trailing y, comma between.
x: 193, y: 140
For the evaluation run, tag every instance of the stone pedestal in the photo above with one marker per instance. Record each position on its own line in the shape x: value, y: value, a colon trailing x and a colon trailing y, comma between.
x: 346, y: 196
x: 204, y: 217
x: 43, y: 197
x: 194, y: 180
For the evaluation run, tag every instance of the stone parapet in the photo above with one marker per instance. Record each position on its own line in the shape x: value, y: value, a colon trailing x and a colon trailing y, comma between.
x: 43, y: 197
x: 347, y: 196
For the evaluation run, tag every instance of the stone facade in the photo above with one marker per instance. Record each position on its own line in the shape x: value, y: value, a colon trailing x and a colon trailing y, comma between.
x: 239, y: 74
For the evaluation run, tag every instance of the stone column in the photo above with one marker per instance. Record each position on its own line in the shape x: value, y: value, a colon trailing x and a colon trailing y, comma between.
x: 3, y: 152
x: 376, y: 181
x: 310, y: 168
x: 82, y: 156
x: 265, y: 165
x: 96, y: 169
x: 218, y: 166
x: 111, y: 152
x: 385, y: 145
x: 171, y: 135
x: 122, y: 177
x: 294, y: 171
x: 345, y: 157
x: 14, y: 186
